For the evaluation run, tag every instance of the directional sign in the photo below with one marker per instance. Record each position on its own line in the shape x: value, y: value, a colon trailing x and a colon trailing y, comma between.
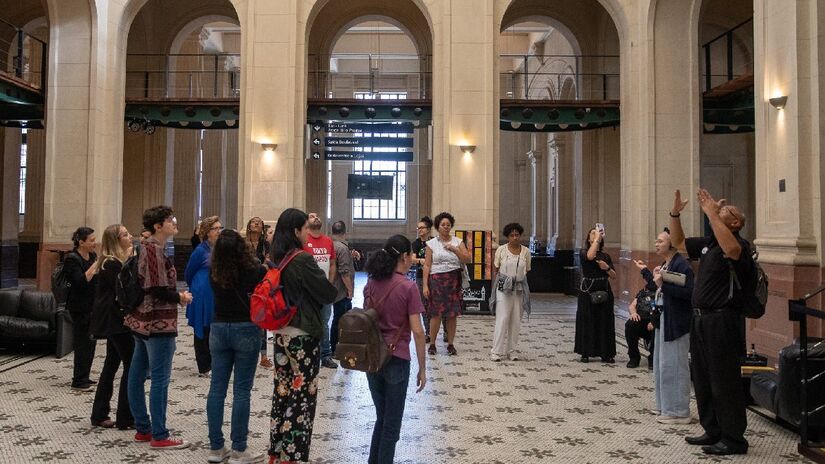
x: 378, y: 128
x: 367, y: 156
x: 317, y: 127
x: 399, y: 142
x: 316, y: 141
x: 316, y: 155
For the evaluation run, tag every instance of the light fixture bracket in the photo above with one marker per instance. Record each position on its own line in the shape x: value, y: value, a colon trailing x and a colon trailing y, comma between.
x: 779, y: 102
x: 269, y: 146
x: 467, y: 149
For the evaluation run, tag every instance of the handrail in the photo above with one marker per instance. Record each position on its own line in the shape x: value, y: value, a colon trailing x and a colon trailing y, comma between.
x: 799, y: 312
x: 727, y: 32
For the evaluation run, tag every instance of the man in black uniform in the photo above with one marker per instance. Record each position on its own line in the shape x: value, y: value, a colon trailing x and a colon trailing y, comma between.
x: 716, y: 333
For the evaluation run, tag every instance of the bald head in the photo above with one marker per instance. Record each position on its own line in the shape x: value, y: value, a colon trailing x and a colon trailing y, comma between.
x: 733, y: 217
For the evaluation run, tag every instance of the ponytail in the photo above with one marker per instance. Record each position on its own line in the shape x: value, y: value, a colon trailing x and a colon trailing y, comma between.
x: 381, y: 264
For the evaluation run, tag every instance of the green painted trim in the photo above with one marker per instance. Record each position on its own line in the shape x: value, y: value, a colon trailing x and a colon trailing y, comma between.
x: 20, y: 95
x: 370, y: 111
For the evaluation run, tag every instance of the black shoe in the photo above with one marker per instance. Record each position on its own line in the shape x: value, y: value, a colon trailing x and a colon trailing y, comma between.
x: 451, y: 350
x: 83, y: 387
x: 608, y: 360
x: 703, y: 439
x: 328, y: 362
x: 633, y: 363
x: 721, y: 449
x: 585, y: 359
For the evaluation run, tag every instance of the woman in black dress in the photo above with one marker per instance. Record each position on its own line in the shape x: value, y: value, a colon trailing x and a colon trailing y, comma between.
x: 595, y: 322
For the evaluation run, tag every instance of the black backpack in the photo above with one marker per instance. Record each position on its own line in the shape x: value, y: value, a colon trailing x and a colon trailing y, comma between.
x: 755, y: 296
x: 60, y: 281
x: 128, y: 290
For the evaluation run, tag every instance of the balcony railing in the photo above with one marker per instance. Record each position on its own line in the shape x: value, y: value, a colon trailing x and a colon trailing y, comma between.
x: 183, y: 76
x: 27, y: 59
x: 729, y: 55
x: 559, y: 77
x: 347, y: 75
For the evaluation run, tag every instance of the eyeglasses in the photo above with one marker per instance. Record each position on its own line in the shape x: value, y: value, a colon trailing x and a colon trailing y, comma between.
x: 216, y: 228
x: 423, y: 228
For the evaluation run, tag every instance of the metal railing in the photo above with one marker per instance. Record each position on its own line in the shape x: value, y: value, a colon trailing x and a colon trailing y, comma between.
x: 799, y: 312
x: 27, y: 59
x: 720, y: 62
x: 343, y: 75
x: 183, y: 75
x: 559, y: 77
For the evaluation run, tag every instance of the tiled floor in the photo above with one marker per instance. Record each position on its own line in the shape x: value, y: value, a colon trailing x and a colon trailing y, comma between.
x: 545, y: 408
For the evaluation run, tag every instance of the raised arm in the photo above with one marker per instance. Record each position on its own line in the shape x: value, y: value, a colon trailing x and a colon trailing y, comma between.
x: 727, y: 241
x: 677, y: 234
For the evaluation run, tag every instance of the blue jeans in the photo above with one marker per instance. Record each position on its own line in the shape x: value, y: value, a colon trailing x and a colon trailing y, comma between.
x: 326, y: 314
x: 671, y: 372
x: 235, y: 345
x: 389, y: 393
x: 339, y: 309
x: 151, y: 356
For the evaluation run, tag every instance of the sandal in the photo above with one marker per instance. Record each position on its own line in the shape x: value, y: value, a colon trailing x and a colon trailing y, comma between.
x: 451, y: 350
x: 432, y: 350
x: 105, y: 423
x: 266, y: 363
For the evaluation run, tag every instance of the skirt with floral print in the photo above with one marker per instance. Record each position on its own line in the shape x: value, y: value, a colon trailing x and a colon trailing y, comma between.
x: 297, y: 361
x: 445, y: 294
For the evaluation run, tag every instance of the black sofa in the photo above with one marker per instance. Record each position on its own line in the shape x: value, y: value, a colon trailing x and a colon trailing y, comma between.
x: 29, y: 317
x: 779, y: 392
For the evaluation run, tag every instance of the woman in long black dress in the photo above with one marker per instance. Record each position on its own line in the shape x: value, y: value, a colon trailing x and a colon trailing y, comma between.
x: 595, y: 323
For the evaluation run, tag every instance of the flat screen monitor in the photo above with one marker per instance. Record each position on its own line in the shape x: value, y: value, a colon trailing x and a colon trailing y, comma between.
x: 369, y: 187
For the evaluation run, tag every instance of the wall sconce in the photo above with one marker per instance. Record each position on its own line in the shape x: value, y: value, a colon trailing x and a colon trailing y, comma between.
x: 467, y: 149
x: 269, y: 146
x: 779, y: 102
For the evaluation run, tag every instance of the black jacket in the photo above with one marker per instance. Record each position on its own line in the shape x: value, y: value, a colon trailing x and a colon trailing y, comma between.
x: 677, y: 307
x: 82, y: 292
x: 106, y: 318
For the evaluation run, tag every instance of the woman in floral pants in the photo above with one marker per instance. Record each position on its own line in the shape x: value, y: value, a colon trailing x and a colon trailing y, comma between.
x: 297, y: 346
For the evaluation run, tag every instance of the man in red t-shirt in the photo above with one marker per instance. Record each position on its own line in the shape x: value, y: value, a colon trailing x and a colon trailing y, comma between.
x: 320, y: 246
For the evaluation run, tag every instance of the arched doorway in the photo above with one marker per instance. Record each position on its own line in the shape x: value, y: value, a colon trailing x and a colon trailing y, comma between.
x: 182, y: 109
x: 559, y: 160
x: 369, y: 87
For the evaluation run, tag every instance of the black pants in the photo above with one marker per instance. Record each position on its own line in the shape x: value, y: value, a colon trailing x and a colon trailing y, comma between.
x: 119, y: 348
x: 635, y: 331
x: 202, y: 355
x: 84, y: 348
x: 715, y: 348
x: 338, y: 309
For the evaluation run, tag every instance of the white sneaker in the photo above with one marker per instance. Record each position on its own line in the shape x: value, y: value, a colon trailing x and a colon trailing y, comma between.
x: 674, y: 420
x: 218, y: 456
x: 245, y: 457
x: 514, y: 356
x: 495, y: 358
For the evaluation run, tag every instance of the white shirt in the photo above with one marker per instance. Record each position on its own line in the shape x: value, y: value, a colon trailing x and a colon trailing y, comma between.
x: 513, y: 265
x: 443, y: 260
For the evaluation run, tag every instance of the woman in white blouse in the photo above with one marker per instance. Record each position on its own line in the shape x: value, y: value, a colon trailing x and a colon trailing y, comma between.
x: 445, y: 259
x: 511, y: 295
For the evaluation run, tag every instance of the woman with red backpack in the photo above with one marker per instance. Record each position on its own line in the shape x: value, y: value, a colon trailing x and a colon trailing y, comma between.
x: 298, y: 344
x: 399, y: 313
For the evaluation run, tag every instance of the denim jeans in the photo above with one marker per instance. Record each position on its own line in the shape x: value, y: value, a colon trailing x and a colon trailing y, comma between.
x: 233, y: 345
x: 339, y: 309
x: 326, y: 314
x: 671, y: 372
x: 152, y: 356
x: 389, y: 394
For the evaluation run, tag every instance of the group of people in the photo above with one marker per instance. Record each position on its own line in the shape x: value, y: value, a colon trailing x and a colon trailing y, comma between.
x: 675, y: 313
x: 678, y: 314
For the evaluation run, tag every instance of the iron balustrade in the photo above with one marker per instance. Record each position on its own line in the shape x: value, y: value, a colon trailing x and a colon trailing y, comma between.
x: 183, y: 76
x: 724, y: 45
x: 559, y: 77
x: 799, y: 312
x: 27, y: 57
x: 345, y: 75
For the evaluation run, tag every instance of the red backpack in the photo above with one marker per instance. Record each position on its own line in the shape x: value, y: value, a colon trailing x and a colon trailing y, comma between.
x: 268, y: 304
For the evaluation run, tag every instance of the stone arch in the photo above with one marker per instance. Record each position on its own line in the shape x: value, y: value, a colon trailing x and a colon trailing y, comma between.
x: 195, y: 24
x: 328, y: 19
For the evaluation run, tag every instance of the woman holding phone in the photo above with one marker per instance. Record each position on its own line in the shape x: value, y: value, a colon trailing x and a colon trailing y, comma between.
x: 595, y: 320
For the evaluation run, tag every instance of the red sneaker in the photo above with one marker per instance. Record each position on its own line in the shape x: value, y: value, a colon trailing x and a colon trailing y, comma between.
x: 143, y: 436
x: 169, y: 443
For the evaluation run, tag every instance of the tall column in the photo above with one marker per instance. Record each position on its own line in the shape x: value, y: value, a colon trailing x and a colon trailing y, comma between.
x: 9, y: 205
x: 789, y: 145
x: 184, y: 196
x: 465, y: 106
x: 35, y: 167
x: 273, y: 108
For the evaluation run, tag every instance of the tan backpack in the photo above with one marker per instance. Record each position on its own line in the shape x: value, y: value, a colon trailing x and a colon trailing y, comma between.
x: 361, y: 346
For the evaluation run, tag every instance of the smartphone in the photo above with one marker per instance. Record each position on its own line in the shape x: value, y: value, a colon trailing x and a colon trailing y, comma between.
x: 600, y: 228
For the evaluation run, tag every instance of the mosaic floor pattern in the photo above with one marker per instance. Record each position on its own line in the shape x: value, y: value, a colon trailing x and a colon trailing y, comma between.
x: 547, y: 407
